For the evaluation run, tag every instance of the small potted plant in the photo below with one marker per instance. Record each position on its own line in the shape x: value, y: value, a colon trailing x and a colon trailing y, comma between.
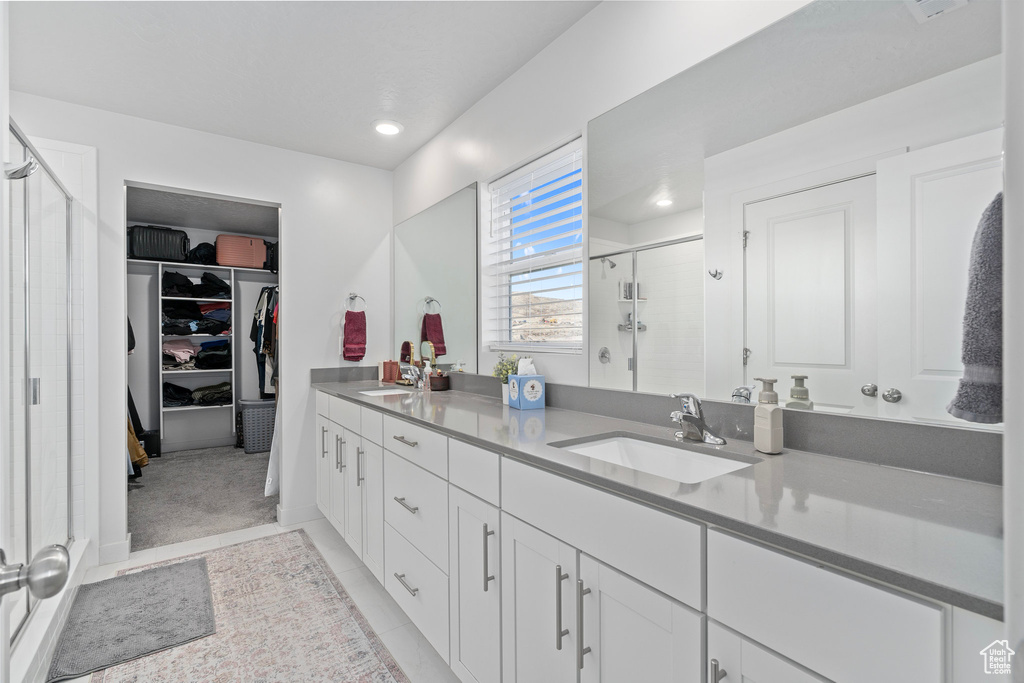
x: 502, y: 369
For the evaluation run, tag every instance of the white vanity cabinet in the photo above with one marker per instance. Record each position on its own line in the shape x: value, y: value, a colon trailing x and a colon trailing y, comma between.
x: 324, y: 464
x: 474, y: 535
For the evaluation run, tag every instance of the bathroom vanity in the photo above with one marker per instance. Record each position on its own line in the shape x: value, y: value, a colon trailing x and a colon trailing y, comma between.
x: 520, y: 560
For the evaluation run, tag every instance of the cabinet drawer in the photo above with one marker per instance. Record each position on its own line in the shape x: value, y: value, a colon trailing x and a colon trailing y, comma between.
x: 428, y: 608
x: 344, y: 413
x: 419, y: 445
x: 474, y: 470
x: 323, y: 404
x: 371, y: 425
x: 837, y: 626
x: 427, y: 527
x: 656, y: 548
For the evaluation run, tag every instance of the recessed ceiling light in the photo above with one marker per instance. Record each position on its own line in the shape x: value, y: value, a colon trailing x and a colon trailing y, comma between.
x: 388, y: 127
x: 664, y: 202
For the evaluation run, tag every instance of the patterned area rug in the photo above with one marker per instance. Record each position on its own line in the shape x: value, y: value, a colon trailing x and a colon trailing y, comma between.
x: 282, y: 617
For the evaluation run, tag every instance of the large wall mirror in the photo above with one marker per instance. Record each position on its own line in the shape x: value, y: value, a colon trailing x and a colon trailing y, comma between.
x: 435, y: 266
x: 804, y: 204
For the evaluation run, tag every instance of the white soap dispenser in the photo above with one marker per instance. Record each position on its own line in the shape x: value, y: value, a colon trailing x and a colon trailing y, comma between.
x: 768, y: 419
x: 799, y: 395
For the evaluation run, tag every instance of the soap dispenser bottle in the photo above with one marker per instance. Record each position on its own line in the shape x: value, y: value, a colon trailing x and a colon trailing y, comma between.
x: 799, y: 396
x: 768, y: 419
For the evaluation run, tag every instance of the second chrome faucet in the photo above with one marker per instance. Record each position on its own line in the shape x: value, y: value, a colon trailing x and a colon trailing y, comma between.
x: 691, y: 419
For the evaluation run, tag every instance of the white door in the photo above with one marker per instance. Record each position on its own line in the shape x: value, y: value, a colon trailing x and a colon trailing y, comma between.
x: 475, y: 594
x: 354, y: 477
x: 742, y: 660
x: 929, y: 205
x: 635, y: 633
x: 324, y: 465
x: 341, y: 450
x: 810, y: 292
x: 373, y: 508
x: 538, y: 597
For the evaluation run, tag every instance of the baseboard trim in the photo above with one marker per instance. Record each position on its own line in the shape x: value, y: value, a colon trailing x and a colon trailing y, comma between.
x: 289, y: 516
x: 116, y: 552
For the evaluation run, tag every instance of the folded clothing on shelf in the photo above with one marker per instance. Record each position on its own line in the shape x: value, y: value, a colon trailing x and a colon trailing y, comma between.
x: 209, y: 287
x: 212, y: 395
x: 214, y: 355
x: 180, y: 350
x: 186, y: 327
x: 176, y: 396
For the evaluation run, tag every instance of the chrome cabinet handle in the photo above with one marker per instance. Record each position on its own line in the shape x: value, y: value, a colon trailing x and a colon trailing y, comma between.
x: 559, y: 631
x: 487, y: 573
x: 580, y: 650
x: 359, y: 465
x: 323, y: 442
x: 401, y: 580
x: 341, y: 453
x: 869, y: 390
x: 892, y: 396
x: 337, y: 452
x: 716, y: 674
x: 410, y: 508
x: 402, y: 439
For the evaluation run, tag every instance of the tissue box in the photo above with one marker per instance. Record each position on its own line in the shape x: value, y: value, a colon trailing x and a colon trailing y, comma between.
x: 526, y: 392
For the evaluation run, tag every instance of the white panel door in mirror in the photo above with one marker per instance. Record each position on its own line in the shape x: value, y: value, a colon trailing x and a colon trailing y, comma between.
x: 929, y: 204
x: 810, y: 270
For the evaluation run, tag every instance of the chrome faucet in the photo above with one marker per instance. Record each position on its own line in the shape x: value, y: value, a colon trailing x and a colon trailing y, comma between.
x: 412, y: 373
x: 691, y: 419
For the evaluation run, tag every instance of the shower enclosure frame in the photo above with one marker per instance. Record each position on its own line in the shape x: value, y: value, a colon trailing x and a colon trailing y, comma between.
x: 31, y: 150
x: 632, y: 252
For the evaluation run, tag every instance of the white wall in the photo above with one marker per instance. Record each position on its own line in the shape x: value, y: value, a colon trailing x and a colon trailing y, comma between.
x: 1013, y: 333
x: 613, y: 53
x: 335, y: 235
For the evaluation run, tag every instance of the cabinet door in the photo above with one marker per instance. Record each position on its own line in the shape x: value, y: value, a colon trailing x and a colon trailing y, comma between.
x: 354, y: 476
x: 539, y: 605
x: 741, y: 660
x: 633, y: 632
x: 339, y: 454
x: 373, y: 509
x: 324, y: 465
x: 475, y: 592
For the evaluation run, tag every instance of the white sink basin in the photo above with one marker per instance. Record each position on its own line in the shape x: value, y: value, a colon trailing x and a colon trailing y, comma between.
x: 677, y: 464
x: 383, y: 392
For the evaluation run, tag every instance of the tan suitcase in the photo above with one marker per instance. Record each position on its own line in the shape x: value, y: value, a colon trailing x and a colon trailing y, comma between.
x: 240, y: 251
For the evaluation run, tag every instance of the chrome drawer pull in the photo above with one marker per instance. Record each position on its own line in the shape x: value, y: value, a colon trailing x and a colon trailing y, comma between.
x: 580, y: 650
x: 338, y: 443
x: 559, y: 631
x: 359, y: 465
x: 716, y: 673
x: 488, y: 577
x: 341, y: 453
x: 410, y: 508
x: 401, y: 580
x: 323, y: 442
x: 402, y: 439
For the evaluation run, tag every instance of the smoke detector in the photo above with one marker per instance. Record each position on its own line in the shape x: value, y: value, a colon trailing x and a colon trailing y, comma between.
x: 923, y: 10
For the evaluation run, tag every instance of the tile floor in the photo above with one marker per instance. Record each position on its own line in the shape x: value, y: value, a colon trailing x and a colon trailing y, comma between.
x: 408, y: 646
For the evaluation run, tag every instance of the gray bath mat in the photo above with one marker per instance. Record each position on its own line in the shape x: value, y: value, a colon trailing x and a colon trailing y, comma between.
x: 130, y: 616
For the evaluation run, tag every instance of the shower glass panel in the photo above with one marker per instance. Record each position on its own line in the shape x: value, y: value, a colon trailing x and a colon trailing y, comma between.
x: 611, y: 311
x: 39, y: 359
x: 670, y: 352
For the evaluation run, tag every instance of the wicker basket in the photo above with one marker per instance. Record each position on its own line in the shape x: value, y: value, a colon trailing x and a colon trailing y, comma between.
x: 258, y: 424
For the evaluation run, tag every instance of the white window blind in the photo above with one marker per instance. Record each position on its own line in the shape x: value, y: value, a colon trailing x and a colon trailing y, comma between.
x: 533, y: 255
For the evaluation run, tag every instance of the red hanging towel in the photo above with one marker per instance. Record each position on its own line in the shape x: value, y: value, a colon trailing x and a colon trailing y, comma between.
x: 355, y: 335
x: 433, y: 333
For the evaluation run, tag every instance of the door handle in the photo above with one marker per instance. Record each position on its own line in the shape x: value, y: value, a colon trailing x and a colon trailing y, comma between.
x: 337, y: 452
x: 487, y: 573
x: 359, y: 465
x: 869, y: 390
x: 892, y: 396
x: 323, y: 442
x: 559, y: 631
x: 717, y: 674
x: 402, y: 439
x: 401, y: 580
x: 580, y: 650
x: 341, y: 453
x: 44, y: 577
x: 410, y: 508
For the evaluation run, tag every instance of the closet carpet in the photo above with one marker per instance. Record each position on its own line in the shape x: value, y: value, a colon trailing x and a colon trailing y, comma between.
x: 186, y: 495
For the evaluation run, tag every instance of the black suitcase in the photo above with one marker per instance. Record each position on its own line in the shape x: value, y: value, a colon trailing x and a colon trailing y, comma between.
x: 271, y: 262
x: 157, y: 244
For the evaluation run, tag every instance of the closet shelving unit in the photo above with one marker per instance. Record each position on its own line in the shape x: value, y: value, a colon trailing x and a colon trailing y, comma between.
x: 203, y: 216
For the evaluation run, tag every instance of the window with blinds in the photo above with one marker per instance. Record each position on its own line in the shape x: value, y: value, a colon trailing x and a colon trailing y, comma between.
x: 533, y: 255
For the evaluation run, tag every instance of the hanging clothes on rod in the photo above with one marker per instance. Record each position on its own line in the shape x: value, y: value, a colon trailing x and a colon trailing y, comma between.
x: 263, y: 334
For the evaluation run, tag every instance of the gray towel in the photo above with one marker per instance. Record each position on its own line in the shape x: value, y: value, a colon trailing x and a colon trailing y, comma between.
x: 979, y: 397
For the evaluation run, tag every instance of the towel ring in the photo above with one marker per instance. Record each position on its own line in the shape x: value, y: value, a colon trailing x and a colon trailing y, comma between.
x: 431, y: 300
x: 351, y: 298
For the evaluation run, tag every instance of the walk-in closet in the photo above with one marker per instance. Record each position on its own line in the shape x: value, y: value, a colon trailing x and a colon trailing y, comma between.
x: 201, y: 354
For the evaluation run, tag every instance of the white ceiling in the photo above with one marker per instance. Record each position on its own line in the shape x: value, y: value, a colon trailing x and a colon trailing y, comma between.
x: 306, y: 76
x: 829, y: 55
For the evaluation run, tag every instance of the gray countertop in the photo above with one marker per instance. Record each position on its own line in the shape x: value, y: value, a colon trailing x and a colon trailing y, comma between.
x: 937, y: 536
